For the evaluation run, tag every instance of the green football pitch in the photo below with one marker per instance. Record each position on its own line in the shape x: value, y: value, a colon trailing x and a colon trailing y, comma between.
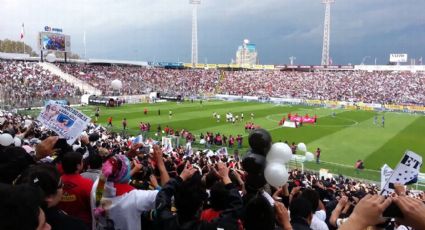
x: 344, y: 138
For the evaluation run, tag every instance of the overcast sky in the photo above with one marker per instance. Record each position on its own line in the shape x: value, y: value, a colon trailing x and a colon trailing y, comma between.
x: 160, y: 30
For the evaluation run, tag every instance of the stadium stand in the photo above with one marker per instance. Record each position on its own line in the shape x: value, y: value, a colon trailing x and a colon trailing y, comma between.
x: 354, y: 86
x: 25, y: 84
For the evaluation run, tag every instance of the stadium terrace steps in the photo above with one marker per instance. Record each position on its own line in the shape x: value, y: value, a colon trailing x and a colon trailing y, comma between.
x: 83, y: 86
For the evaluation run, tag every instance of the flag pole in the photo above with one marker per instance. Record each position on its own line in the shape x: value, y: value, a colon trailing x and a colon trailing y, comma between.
x: 23, y: 36
x: 84, y: 42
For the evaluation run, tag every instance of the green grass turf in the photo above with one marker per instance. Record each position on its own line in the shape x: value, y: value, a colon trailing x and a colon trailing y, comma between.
x: 345, y: 138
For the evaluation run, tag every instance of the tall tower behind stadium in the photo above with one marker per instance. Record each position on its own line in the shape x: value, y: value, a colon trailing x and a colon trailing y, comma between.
x: 195, y: 4
x: 326, y: 31
x: 246, y: 54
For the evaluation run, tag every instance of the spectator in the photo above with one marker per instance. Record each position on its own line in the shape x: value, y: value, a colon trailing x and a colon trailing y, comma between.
x: 47, y: 178
x: 301, y: 214
x: 76, y: 189
x: 319, y: 214
x: 20, y: 208
x: 189, y: 197
x: 121, y: 205
x: 94, y: 163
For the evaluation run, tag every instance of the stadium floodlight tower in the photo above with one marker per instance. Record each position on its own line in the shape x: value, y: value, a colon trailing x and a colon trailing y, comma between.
x: 326, y: 31
x: 195, y: 4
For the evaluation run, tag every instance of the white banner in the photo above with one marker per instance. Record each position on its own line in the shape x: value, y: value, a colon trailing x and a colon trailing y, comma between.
x: 386, y: 172
x: 406, y: 172
x: 398, y: 57
x: 167, y: 146
x: 289, y: 124
x: 67, y: 122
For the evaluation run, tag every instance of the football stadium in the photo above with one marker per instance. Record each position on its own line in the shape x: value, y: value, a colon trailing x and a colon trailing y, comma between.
x: 100, y: 130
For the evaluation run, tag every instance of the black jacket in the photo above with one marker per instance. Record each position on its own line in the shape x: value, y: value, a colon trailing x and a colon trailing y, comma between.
x: 61, y: 221
x: 299, y: 223
x: 169, y: 221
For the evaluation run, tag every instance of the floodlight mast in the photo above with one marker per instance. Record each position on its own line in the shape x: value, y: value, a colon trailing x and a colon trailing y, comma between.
x: 195, y: 4
x: 326, y: 31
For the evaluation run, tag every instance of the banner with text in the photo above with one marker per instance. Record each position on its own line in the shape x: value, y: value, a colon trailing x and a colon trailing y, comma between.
x: 67, y: 122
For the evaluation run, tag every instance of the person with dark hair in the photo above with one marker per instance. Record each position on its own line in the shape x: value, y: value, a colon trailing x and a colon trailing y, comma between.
x: 109, y: 122
x: 47, y: 178
x: 20, y: 208
x: 13, y: 160
x: 94, y: 163
x: 301, y: 214
x: 359, y: 166
x: 218, y: 201
x: 96, y: 114
x: 124, y: 123
x: 319, y: 215
x: 318, y: 152
x: 258, y: 214
x: 76, y: 191
x: 293, y: 148
x: 189, y: 197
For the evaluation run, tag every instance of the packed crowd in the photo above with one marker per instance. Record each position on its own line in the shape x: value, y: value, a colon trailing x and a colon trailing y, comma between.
x: 355, y: 86
x: 24, y: 83
x: 104, y: 181
x: 140, y: 80
x: 375, y: 87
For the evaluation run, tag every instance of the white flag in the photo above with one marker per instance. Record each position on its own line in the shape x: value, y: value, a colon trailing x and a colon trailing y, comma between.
x: 405, y: 173
x: 386, y: 172
x: 221, y: 151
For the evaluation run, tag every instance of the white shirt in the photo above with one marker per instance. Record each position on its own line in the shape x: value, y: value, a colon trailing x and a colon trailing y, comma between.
x: 402, y: 227
x: 318, y: 221
x: 125, y: 210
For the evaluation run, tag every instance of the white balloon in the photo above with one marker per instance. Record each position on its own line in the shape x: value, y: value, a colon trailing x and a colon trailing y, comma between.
x: 51, y: 57
x: 17, y: 141
x: 116, y: 84
x: 6, y: 139
x: 309, y: 156
x: 302, y: 147
x: 276, y: 174
x: 279, y: 153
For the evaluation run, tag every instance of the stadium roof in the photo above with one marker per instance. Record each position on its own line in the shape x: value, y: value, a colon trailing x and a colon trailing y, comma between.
x: 121, y: 62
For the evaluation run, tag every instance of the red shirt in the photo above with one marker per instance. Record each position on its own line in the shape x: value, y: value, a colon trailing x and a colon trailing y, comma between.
x: 122, y: 188
x: 209, y: 214
x: 76, y: 197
